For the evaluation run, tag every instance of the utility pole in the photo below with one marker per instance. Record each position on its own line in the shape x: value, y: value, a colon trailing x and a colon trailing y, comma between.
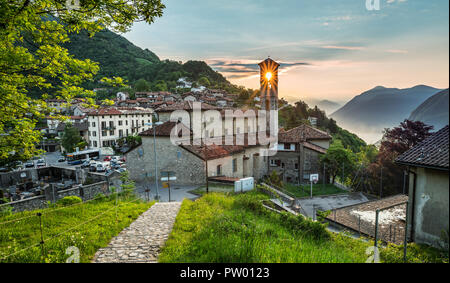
x: 206, y: 173
x: 324, y: 176
x: 381, y: 183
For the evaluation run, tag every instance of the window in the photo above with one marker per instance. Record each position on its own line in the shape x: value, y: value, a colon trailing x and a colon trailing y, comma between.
x: 104, y: 133
x: 95, y: 143
x: 94, y: 133
x: 287, y: 146
x: 120, y: 122
x: 275, y: 163
x: 120, y: 133
x: 296, y: 165
x: 235, y: 165
x: 219, y: 170
x: 111, y: 133
x: 126, y: 122
x: 93, y: 124
x: 89, y: 133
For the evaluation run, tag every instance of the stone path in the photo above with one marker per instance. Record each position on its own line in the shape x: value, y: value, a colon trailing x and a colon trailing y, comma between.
x: 143, y: 239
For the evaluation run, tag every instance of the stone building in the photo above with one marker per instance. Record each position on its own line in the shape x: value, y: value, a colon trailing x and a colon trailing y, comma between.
x: 427, y: 165
x: 298, y: 154
x: 190, y: 161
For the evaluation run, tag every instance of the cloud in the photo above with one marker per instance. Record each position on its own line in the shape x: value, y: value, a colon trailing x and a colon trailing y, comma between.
x: 237, y: 69
x: 343, y: 47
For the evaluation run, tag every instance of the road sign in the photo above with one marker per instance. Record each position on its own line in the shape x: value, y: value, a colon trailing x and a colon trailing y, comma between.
x: 166, y: 179
x: 165, y: 185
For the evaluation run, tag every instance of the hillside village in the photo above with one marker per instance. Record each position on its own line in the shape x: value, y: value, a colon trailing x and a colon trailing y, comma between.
x: 142, y: 160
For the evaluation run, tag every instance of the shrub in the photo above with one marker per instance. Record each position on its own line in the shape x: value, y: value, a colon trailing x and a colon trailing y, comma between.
x: 70, y: 200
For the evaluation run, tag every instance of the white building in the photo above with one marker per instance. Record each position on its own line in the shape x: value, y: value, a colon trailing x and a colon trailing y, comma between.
x: 108, y: 124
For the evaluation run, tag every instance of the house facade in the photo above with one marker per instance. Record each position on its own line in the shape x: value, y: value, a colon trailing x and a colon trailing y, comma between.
x: 298, y: 154
x: 106, y: 125
x: 428, y: 168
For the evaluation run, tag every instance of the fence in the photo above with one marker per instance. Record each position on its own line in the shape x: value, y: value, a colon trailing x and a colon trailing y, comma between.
x: 383, y: 220
x: 48, y: 235
x: 52, y: 195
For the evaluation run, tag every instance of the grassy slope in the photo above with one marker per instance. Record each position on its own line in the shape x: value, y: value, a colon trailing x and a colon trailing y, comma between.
x: 217, y: 228
x: 318, y: 190
x: 88, y: 237
x: 235, y: 229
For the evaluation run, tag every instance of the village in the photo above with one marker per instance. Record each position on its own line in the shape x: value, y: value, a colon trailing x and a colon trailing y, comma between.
x: 171, y: 163
x: 224, y: 137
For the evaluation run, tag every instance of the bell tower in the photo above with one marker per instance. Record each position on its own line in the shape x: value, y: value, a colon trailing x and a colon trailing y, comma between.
x: 269, y: 89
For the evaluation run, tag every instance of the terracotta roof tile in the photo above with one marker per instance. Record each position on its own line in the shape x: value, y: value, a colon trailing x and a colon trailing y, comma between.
x: 165, y: 129
x: 302, y: 133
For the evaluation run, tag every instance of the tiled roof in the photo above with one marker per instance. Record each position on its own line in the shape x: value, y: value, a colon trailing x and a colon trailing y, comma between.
x: 432, y: 152
x: 119, y: 111
x: 314, y: 147
x: 165, y: 129
x: 302, y: 133
x: 184, y: 105
x: 211, y: 152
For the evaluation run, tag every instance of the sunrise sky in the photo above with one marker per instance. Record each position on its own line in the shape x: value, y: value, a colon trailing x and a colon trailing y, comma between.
x: 329, y: 49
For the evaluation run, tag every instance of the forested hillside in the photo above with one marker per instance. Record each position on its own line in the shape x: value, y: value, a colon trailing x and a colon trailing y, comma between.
x: 119, y: 57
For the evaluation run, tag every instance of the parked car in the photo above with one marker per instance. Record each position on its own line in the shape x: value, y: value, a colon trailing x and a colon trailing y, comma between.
x: 93, y: 167
x: 86, y: 164
x: 107, y: 158
x: 41, y: 163
x: 4, y: 169
x: 62, y: 159
x: 29, y: 164
x: 121, y: 170
x: 100, y: 167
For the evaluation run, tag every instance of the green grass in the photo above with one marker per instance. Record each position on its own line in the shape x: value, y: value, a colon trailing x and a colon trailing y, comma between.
x: 88, y: 226
x: 318, y: 190
x: 225, y: 228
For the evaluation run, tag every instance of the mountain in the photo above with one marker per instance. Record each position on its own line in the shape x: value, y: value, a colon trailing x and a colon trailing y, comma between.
x: 434, y: 111
x: 326, y: 105
x: 370, y: 112
x: 119, y: 57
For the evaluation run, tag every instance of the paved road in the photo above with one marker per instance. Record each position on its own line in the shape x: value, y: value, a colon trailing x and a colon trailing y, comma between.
x: 142, y: 241
x: 177, y: 193
x: 331, y: 202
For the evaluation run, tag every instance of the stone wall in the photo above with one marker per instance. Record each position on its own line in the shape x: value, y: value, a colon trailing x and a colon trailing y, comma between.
x: 188, y: 168
x: 39, y: 202
x: 297, y: 164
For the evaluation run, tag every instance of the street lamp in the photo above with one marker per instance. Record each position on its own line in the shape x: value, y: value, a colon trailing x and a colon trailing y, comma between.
x: 155, y: 117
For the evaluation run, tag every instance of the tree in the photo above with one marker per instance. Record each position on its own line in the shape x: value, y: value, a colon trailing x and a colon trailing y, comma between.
x: 32, y: 57
x: 71, y: 138
x: 395, y: 142
x: 337, y: 159
x: 204, y: 82
x: 141, y: 85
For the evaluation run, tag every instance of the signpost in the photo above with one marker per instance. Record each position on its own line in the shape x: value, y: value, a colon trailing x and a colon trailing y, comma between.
x: 313, y: 178
x: 167, y: 177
